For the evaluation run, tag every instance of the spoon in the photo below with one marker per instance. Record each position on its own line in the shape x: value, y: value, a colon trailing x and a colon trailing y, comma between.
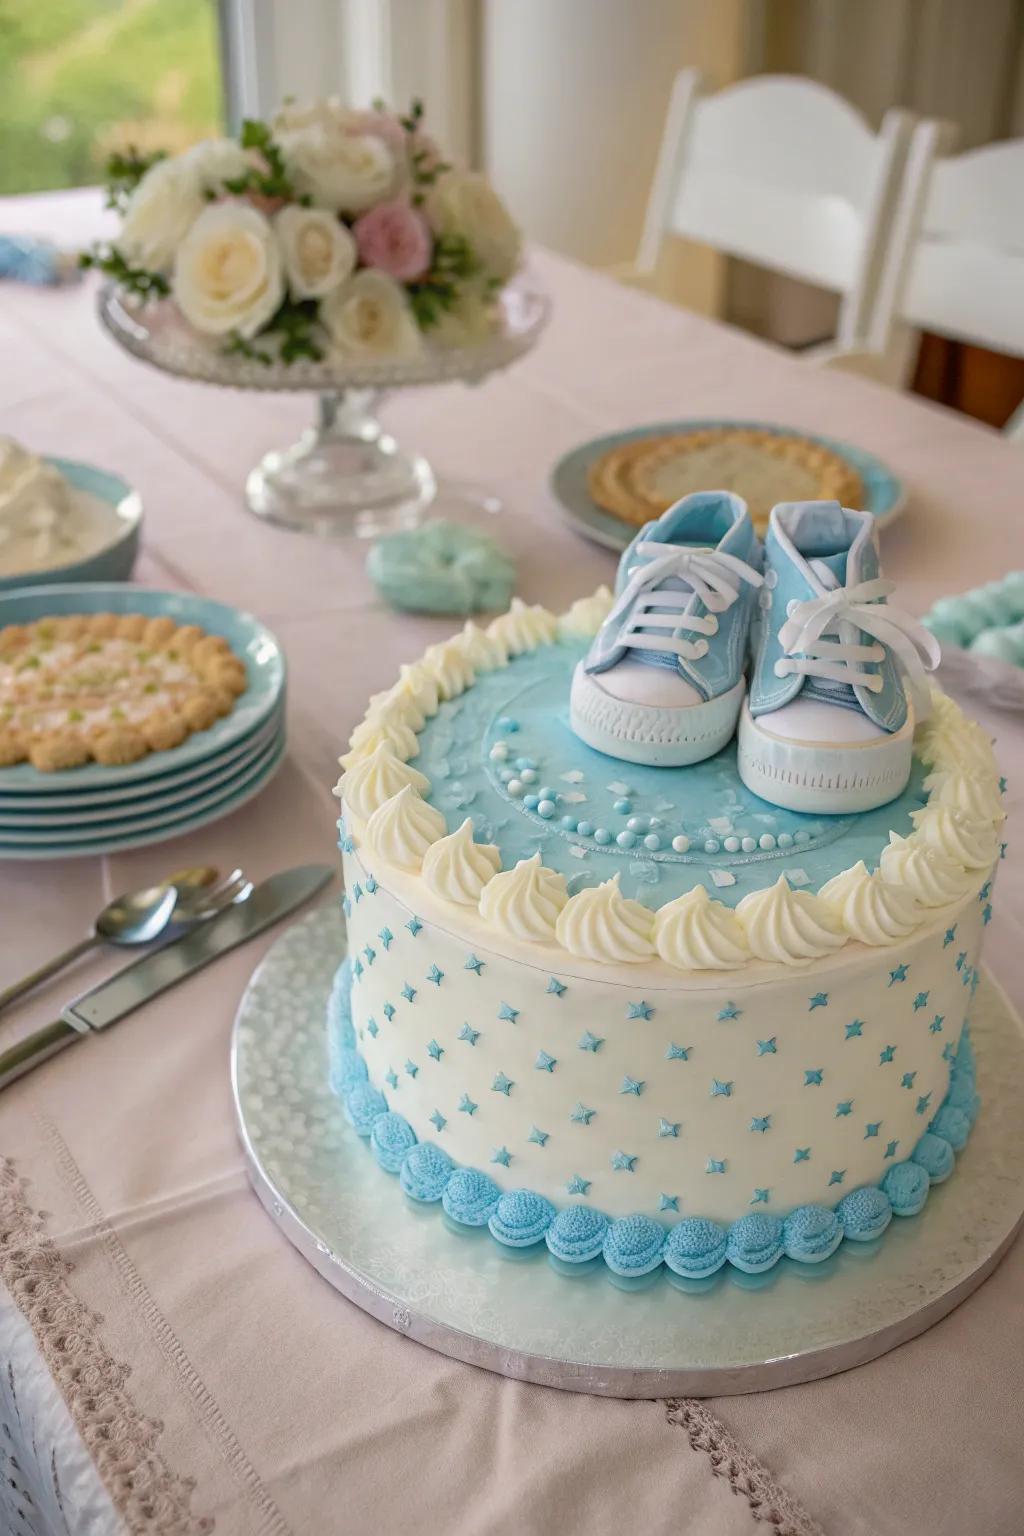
x: 137, y: 917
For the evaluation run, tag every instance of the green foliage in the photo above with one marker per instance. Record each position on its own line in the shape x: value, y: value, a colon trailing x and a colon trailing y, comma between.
x: 453, y: 266
x: 145, y: 285
x: 124, y: 170
x: 269, y: 179
x: 291, y: 332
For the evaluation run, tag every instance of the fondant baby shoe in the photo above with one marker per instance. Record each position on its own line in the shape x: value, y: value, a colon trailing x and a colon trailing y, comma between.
x: 828, y: 725
x: 662, y: 683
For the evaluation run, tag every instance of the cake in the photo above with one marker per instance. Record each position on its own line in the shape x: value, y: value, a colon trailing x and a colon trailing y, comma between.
x: 635, y: 1012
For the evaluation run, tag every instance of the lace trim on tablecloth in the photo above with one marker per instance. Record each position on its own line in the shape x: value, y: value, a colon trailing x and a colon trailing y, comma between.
x: 120, y: 1439
x: 746, y: 1476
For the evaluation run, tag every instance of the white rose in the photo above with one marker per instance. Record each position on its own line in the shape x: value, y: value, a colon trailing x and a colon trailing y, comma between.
x: 227, y: 276
x: 369, y: 317
x: 160, y: 213
x: 464, y: 203
x: 318, y: 251
x: 216, y: 161
x: 471, y: 320
x: 346, y: 172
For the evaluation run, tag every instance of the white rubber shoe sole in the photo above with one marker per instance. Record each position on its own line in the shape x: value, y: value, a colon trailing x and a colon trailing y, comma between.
x: 820, y: 779
x: 653, y: 737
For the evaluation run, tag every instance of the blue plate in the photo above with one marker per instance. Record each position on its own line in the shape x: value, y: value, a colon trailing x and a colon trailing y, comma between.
x: 884, y: 493
x: 245, y: 634
x: 114, y: 561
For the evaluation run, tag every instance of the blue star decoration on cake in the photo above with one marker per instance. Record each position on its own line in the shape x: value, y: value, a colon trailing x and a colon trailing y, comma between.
x: 678, y: 1053
x: 854, y: 1028
x: 556, y: 988
x: 467, y: 1106
x: 386, y: 937
x: 819, y: 1000
x: 668, y: 1127
x: 802, y: 1155
x: 720, y: 1089
x: 949, y: 937
x: 357, y: 892
x: 577, y: 1185
x: 760, y: 1197
x: 545, y: 1062
x: 469, y: 1034
x: 371, y: 886
x: 369, y: 953
x: 391, y: 1078
x: 766, y: 1047
x: 715, y: 1165
x: 537, y: 1136
x: 890, y: 1148
x: 961, y: 960
x: 357, y: 967
x: 409, y: 993
x: 389, y: 1011
x: 623, y: 1162
x: 920, y: 1001
x: 632, y: 1085
x: 414, y: 926
x: 589, y: 1042
x: 761, y: 1123
x: 501, y: 1155
x: 986, y: 914
x: 372, y: 1028
x: 639, y: 1010
x: 581, y: 1114
x: 843, y: 1108
x: 502, y: 1084
x: 948, y: 1051
x: 907, y: 1080
x: 871, y: 1129
x: 668, y: 1202
x: 730, y: 1011
x: 813, y: 1077
x: 436, y: 975
x: 886, y: 1054
x: 922, y: 1104
x: 837, y: 1176
x: 899, y: 973
x: 507, y: 1013
x: 935, y: 1027
x: 473, y: 964
x: 435, y: 1050
x: 438, y: 1120
x: 411, y: 1068
x: 346, y: 904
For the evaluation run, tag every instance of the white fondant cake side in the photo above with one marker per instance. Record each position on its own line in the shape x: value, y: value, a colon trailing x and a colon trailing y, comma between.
x: 766, y: 1087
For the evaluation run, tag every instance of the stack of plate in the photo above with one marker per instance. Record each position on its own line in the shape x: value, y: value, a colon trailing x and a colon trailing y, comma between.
x: 94, y: 809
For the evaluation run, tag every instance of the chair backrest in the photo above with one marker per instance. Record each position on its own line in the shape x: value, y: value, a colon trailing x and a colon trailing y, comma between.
x: 955, y: 263
x: 785, y: 173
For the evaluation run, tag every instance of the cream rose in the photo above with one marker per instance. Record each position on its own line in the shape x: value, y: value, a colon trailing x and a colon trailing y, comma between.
x: 346, y: 172
x: 160, y: 213
x: 227, y: 276
x: 215, y: 161
x: 318, y: 252
x: 369, y: 317
x: 470, y: 321
x: 464, y: 203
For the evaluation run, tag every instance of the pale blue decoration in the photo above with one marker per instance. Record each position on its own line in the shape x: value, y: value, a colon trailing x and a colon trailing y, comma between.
x: 837, y: 1176
x: 935, y: 1155
x: 521, y: 1218
x: 802, y: 1155
x: 890, y: 1148
x: 755, y: 1243
x: 760, y: 1197
x: 590, y: 1042
x: 949, y: 937
x: 470, y: 1035
x: 442, y: 567
x: 678, y: 1053
x: 811, y: 1233
x: 886, y: 1054
x: 502, y: 1084
x: 720, y: 1089
x: 761, y: 1123
x: 906, y: 1185
x: 715, y: 1165
x: 581, y: 1114
x: 434, y: 1050
x: 907, y: 1080
x: 729, y: 1012
x: 411, y: 1068
x: 864, y: 1213
x: 854, y: 1029
x: 639, y: 1010
x: 436, y: 975
x: 577, y: 1234
x: 766, y: 1047
x: 470, y: 1197
x: 924, y: 1103
x: 391, y: 1077
x: 425, y: 1172
x: 623, y: 1162
x: 813, y: 1077
x: 668, y: 1127
x: 363, y: 1103
x: 467, y: 1106
x: 389, y: 1011
x: 953, y: 1124
x: 370, y: 954
x: 819, y: 1000
x: 507, y: 1013
x: 632, y: 1085
x: 414, y: 926
x: 371, y: 886
x: 696, y: 1247
x: 501, y: 1155
x: 409, y: 993
x: 920, y: 1001
x: 844, y: 1107
x: 556, y: 988
x: 438, y: 1120
x: 871, y: 1129
x: 668, y: 1202
x: 935, y: 1027
x: 537, y: 1136
x: 390, y: 1138
x: 473, y: 964
x: 545, y: 1062
x: 578, y: 1185
x: 898, y: 974
x: 372, y: 1028
x: 633, y: 1245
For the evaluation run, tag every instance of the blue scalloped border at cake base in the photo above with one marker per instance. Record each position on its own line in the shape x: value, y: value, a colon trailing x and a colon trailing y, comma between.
x: 465, y: 1296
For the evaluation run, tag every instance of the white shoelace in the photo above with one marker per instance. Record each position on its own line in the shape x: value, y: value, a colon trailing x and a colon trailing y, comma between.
x: 714, y: 576
x: 825, y: 631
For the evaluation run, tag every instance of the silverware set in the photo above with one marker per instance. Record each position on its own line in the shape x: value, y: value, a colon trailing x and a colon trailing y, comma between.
x: 184, y: 922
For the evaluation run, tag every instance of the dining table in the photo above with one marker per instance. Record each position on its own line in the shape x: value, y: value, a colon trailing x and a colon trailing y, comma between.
x: 169, y: 1363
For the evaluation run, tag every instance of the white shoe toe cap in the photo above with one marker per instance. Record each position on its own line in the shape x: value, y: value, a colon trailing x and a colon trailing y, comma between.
x: 812, y: 720
x: 635, y: 682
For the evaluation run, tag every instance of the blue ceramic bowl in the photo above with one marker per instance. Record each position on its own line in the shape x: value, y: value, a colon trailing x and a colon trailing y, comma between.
x: 115, y: 560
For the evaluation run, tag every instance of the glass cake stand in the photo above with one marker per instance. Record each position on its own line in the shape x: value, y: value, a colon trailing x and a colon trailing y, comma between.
x: 464, y: 1295
x: 346, y: 475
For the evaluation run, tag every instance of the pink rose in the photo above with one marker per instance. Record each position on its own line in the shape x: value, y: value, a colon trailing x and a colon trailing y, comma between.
x: 394, y: 238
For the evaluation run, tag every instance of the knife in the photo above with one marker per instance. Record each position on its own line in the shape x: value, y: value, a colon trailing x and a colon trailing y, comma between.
x: 154, y: 973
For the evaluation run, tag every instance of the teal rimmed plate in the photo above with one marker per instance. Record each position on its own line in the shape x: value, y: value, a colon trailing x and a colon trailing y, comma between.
x: 885, y: 494
x: 244, y: 633
x: 113, y: 515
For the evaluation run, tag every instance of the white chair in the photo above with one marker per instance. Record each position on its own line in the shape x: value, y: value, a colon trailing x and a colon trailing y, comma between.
x: 784, y: 173
x: 955, y: 261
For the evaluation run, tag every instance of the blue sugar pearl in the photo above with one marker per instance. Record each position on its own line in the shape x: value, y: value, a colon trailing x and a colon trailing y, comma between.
x: 508, y: 725
x: 506, y: 775
x: 731, y: 845
x: 637, y: 823
x: 712, y: 845
x: 531, y: 802
x: 766, y: 841
x: 569, y: 822
x: 652, y: 841
x: 528, y: 775
x: 622, y: 807
x: 523, y: 762
x: 546, y: 808
x: 785, y: 839
x: 602, y: 836
x: 802, y: 837
x: 547, y: 793
x: 748, y: 844
x: 585, y: 828
x: 626, y: 839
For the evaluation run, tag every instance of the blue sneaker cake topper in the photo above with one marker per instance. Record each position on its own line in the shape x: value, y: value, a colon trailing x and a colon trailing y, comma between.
x: 662, y: 683
x: 828, y: 725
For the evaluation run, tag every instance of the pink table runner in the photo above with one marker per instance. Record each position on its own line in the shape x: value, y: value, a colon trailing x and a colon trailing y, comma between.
x: 210, y: 1374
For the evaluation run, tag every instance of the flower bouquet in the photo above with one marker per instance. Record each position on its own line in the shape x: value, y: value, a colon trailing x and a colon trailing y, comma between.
x: 332, y: 249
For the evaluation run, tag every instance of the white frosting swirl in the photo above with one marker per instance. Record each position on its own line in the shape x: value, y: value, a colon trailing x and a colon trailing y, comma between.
x: 583, y: 620
x: 457, y: 868
x: 698, y: 934
x: 449, y: 666
x: 930, y: 876
x: 404, y: 827
x: 525, y: 901
x: 375, y: 778
x: 951, y: 741
x: 601, y: 924
x: 385, y: 726
x: 523, y: 628
x: 402, y: 699
x: 789, y: 926
x: 970, y: 843
x: 976, y: 794
x: 869, y: 908
x: 482, y: 650
x: 415, y: 677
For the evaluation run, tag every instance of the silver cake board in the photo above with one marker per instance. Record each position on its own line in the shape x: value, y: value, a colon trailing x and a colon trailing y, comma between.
x: 466, y: 1296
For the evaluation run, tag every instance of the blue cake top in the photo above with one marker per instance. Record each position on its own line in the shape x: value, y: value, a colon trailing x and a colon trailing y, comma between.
x: 504, y: 754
